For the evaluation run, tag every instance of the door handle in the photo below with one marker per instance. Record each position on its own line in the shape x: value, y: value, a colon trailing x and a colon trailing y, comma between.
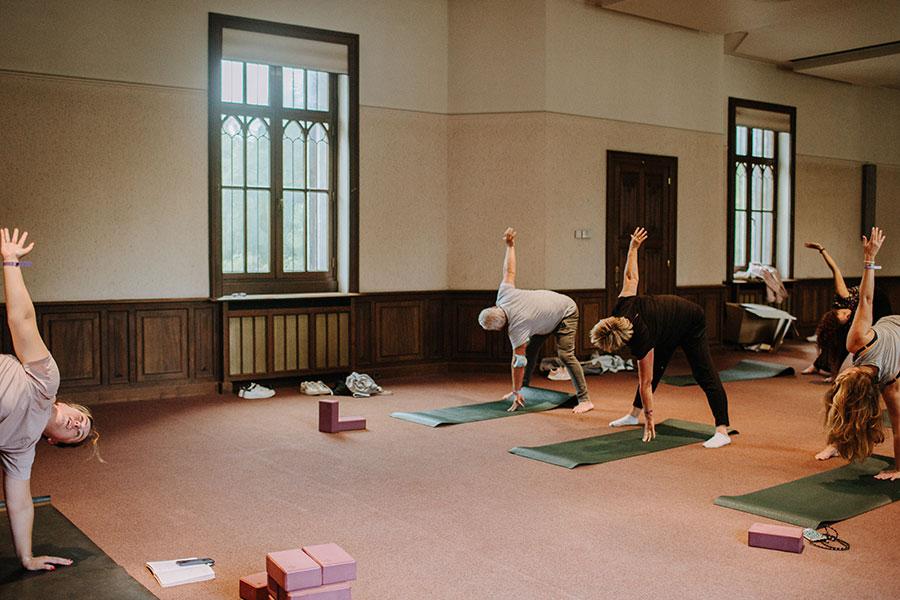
x: 668, y: 263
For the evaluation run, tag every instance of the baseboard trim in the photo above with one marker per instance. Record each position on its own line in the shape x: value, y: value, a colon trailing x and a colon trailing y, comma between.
x: 137, y: 393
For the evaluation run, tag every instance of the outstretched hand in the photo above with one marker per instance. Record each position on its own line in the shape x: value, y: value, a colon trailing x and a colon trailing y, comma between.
x: 649, y: 428
x: 45, y: 563
x: 889, y: 475
x: 516, y: 400
x: 872, y: 244
x: 509, y: 236
x: 13, y: 247
x: 814, y: 246
x: 638, y: 237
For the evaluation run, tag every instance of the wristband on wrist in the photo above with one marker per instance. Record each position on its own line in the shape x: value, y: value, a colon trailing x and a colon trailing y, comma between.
x: 872, y: 267
x: 16, y: 263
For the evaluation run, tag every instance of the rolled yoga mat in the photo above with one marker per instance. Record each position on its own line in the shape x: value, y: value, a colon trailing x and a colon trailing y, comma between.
x: 744, y: 370
x: 92, y: 575
x: 827, y: 497
x: 670, y: 433
x: 536, y: 400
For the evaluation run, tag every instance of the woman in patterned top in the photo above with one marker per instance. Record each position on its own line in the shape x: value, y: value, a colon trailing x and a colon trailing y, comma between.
x: 831, y: 334
x: 854, y: 417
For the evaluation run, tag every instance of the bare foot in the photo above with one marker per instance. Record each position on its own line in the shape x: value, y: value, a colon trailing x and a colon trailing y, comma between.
x: 810, y: 370
x: 828, y: 379
x: 583, y: 407
x: 828, y: 452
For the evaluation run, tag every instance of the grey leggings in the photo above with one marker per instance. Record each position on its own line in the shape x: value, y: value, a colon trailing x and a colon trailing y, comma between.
x: 565, y: 349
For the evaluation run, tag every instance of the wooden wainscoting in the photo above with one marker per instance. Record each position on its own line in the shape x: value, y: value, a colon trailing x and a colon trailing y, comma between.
x: 120, y: 350
x: 133, y: 349
x: 399, y: 333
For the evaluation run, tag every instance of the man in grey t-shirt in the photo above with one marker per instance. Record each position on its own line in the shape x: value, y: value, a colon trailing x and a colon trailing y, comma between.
x: 531, y: 316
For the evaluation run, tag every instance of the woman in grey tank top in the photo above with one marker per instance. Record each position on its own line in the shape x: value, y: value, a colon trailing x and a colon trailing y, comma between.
x: 853, y: 420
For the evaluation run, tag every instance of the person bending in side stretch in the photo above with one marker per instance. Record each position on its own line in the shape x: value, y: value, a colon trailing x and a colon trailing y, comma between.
x: 853, y: 420
x: 532, y: 316
x: 653, y: 327
x: 831, y: 333
x: 28, y: 408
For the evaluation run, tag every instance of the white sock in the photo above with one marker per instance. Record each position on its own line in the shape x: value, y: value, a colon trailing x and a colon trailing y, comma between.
x: 626, y: 420
x: 717, y: 441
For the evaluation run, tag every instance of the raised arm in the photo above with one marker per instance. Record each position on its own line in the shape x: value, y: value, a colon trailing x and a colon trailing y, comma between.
x: 840, y: 288
x: 20, y: 315
x: 630, y: 284
x: 509, y: 261
x: 861, y: 329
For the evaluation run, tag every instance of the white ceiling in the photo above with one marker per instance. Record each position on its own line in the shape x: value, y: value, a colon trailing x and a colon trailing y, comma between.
x: 855, y: 41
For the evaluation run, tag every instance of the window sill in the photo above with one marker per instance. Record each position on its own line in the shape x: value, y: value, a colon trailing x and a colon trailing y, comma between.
x: 309, y: 295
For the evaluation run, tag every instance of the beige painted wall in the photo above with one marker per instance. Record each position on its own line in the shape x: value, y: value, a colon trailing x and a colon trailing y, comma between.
x: 496, y: 55
x: 497, y: 166
x: 604, y: 64
x: 436, y: 190
x: 403, y: 44
x: 110, y: 179
x: 545, y: 175
x: 403, y: 209
x: 887, y: 216
x: 129, y: 159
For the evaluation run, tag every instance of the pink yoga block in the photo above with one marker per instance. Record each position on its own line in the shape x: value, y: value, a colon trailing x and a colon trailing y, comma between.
x: 293, y: 570
x: 776, y: 537
x: 337, y: 565
x: 334, y: 591
x: 255, y: 587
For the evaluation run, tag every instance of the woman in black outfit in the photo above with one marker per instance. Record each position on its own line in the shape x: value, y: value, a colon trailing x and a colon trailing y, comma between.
x: 653, y: 327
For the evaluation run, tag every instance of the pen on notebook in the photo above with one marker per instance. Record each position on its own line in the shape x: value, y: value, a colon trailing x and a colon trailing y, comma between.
x: 189, y: 562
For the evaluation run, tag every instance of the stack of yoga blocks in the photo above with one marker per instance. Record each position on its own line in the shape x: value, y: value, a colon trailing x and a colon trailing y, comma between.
x: 321, y: 572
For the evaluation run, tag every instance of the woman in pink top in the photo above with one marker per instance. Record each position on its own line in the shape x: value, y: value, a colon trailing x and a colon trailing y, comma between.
x: 28, y: 384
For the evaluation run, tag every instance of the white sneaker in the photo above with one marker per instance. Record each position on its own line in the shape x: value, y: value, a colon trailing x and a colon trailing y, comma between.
x: 560, y: 374
x: 323, y: 389
x: 309, y: 388
x: 254, y: 390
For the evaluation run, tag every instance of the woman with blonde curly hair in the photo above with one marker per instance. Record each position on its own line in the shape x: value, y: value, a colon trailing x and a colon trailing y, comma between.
x: 853, y: 419
x: 653, y: 327
x: 28, y: 407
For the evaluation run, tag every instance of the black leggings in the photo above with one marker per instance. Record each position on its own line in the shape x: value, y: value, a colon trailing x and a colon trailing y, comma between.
x: 696, y: 347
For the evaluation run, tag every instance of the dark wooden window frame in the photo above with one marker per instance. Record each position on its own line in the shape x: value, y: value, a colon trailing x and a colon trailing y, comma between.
x: 276, y: 281
x: 791, y: 111
x: 750, y: 161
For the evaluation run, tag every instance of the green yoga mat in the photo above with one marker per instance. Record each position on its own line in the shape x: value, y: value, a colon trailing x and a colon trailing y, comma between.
x: 93, y: 574
x: 824, y: 498
x: 744, y: 370
x: 536, y: 400
x: 671, y: 433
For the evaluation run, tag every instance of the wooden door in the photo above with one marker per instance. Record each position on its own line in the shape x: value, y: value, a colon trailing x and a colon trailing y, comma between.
x: 641, y: 191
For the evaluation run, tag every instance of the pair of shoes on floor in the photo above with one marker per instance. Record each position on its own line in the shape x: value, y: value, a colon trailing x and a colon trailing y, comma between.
x: 315, y: 388
x: 254, y: 391
x: 559, y: 374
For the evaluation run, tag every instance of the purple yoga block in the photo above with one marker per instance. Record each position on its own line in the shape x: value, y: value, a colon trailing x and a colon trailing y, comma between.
x: 334, y: 591
x: 293, y: 570
x: 776, y: 537
x: 330, y: 420
x: 337, y: 565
